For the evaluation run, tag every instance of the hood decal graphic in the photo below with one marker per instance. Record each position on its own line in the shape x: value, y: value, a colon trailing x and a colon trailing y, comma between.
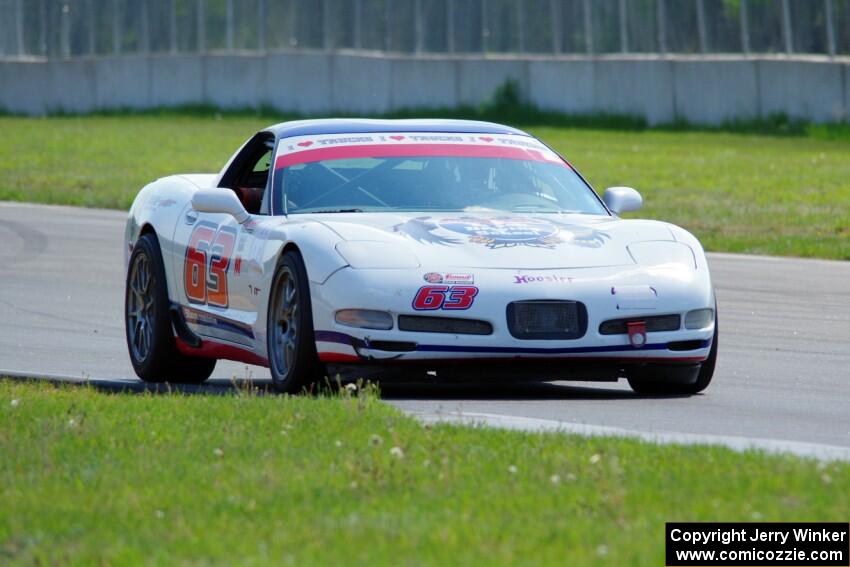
x: 502, y: 232
x: 421, y: 229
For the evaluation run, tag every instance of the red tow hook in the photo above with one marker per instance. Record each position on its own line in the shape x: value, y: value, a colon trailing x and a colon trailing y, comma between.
x: 637, y: 333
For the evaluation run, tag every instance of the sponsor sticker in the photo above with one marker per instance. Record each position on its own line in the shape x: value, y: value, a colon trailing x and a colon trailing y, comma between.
x: 198, y: 317
x: 456, y: 278
x: 541, y: 278
x: 449, y: 278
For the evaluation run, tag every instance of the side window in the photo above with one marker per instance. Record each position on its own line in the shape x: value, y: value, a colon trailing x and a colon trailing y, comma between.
x: 265, y: 162
x: 249, y: 173
x: 259, y: 174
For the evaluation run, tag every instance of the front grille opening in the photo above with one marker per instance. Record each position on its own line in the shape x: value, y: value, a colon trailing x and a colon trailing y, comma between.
x: 448, y: 325
x: 547, y: 319
x: 391, y: 346
x: 685, y: 345
x: 654, y: 324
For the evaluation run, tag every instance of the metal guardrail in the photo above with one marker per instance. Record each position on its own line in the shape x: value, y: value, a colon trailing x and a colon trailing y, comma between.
x: 74, y: 28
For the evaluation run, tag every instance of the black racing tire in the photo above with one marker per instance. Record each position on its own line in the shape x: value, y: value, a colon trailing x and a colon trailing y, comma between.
x: 147, y: 322
x: 651, y: 380
x: 293, y: 362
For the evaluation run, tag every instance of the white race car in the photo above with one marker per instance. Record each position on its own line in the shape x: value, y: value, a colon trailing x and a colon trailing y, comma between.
x: 437, y: 249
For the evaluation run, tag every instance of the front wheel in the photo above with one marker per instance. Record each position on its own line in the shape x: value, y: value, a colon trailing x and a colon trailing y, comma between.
x: 654, y: 380
x: 150, y: 338
x: 293, y: 361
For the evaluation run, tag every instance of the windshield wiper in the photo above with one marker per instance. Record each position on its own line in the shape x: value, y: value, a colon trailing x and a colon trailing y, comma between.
x: 337, y: 211
x: 534, y: 209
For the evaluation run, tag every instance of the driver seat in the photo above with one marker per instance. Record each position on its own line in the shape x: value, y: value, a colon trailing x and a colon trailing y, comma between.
x: 251, y: 198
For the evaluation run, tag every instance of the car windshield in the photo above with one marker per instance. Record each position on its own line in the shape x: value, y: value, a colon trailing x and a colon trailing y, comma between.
x: 419, y: 172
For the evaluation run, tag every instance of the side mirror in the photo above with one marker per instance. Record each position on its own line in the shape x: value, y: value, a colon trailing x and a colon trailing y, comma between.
x: 622, y: 199
x: 219, y: 201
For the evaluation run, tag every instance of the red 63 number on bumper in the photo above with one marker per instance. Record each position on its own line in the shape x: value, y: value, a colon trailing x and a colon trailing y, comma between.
x: 449, y: 297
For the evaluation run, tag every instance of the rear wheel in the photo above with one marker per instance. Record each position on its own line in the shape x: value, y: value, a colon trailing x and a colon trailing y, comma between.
x: 293, y: 361
x: 150, y: 338
x: 669, y: 380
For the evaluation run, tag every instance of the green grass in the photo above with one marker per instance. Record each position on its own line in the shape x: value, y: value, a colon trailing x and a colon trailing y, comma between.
x: 783, y: 193
x: 94, y: 478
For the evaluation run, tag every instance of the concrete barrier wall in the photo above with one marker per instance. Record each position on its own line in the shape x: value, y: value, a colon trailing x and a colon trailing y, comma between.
x: 700, y: 90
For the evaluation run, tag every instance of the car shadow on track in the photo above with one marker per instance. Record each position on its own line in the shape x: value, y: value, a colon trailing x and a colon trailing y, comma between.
x: 510, y: 391
x: 500, y: 391
x: 391, y: 391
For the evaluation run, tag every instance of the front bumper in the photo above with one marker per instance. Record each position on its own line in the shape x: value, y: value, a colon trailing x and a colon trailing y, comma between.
x: 675, y: 290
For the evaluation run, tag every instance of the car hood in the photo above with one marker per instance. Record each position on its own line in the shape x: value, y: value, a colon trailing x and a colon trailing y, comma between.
x: 501, y: 240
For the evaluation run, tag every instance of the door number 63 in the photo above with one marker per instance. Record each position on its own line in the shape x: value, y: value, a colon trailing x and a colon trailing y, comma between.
x: 207, y: 263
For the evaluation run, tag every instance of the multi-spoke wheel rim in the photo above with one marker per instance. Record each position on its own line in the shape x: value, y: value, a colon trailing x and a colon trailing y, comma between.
x: 284, y: 329
x: 140, y: 308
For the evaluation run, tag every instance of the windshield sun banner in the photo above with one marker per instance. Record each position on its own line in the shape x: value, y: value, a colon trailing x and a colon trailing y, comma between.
x: 310, y: 149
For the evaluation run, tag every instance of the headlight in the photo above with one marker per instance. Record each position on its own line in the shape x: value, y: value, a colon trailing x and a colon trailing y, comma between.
x: 374, y: 255
x: 699, y: 318
x: 364, y: 318
x: 661, y: 253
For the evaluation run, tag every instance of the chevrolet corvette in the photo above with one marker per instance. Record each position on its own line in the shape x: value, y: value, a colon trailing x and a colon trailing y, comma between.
x: 411, y: 249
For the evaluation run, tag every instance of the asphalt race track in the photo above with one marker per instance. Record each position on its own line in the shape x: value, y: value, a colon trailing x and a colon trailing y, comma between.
x: 783, y: 372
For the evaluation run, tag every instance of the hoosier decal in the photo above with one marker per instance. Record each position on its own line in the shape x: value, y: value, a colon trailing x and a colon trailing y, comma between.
x: 541, y: 278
